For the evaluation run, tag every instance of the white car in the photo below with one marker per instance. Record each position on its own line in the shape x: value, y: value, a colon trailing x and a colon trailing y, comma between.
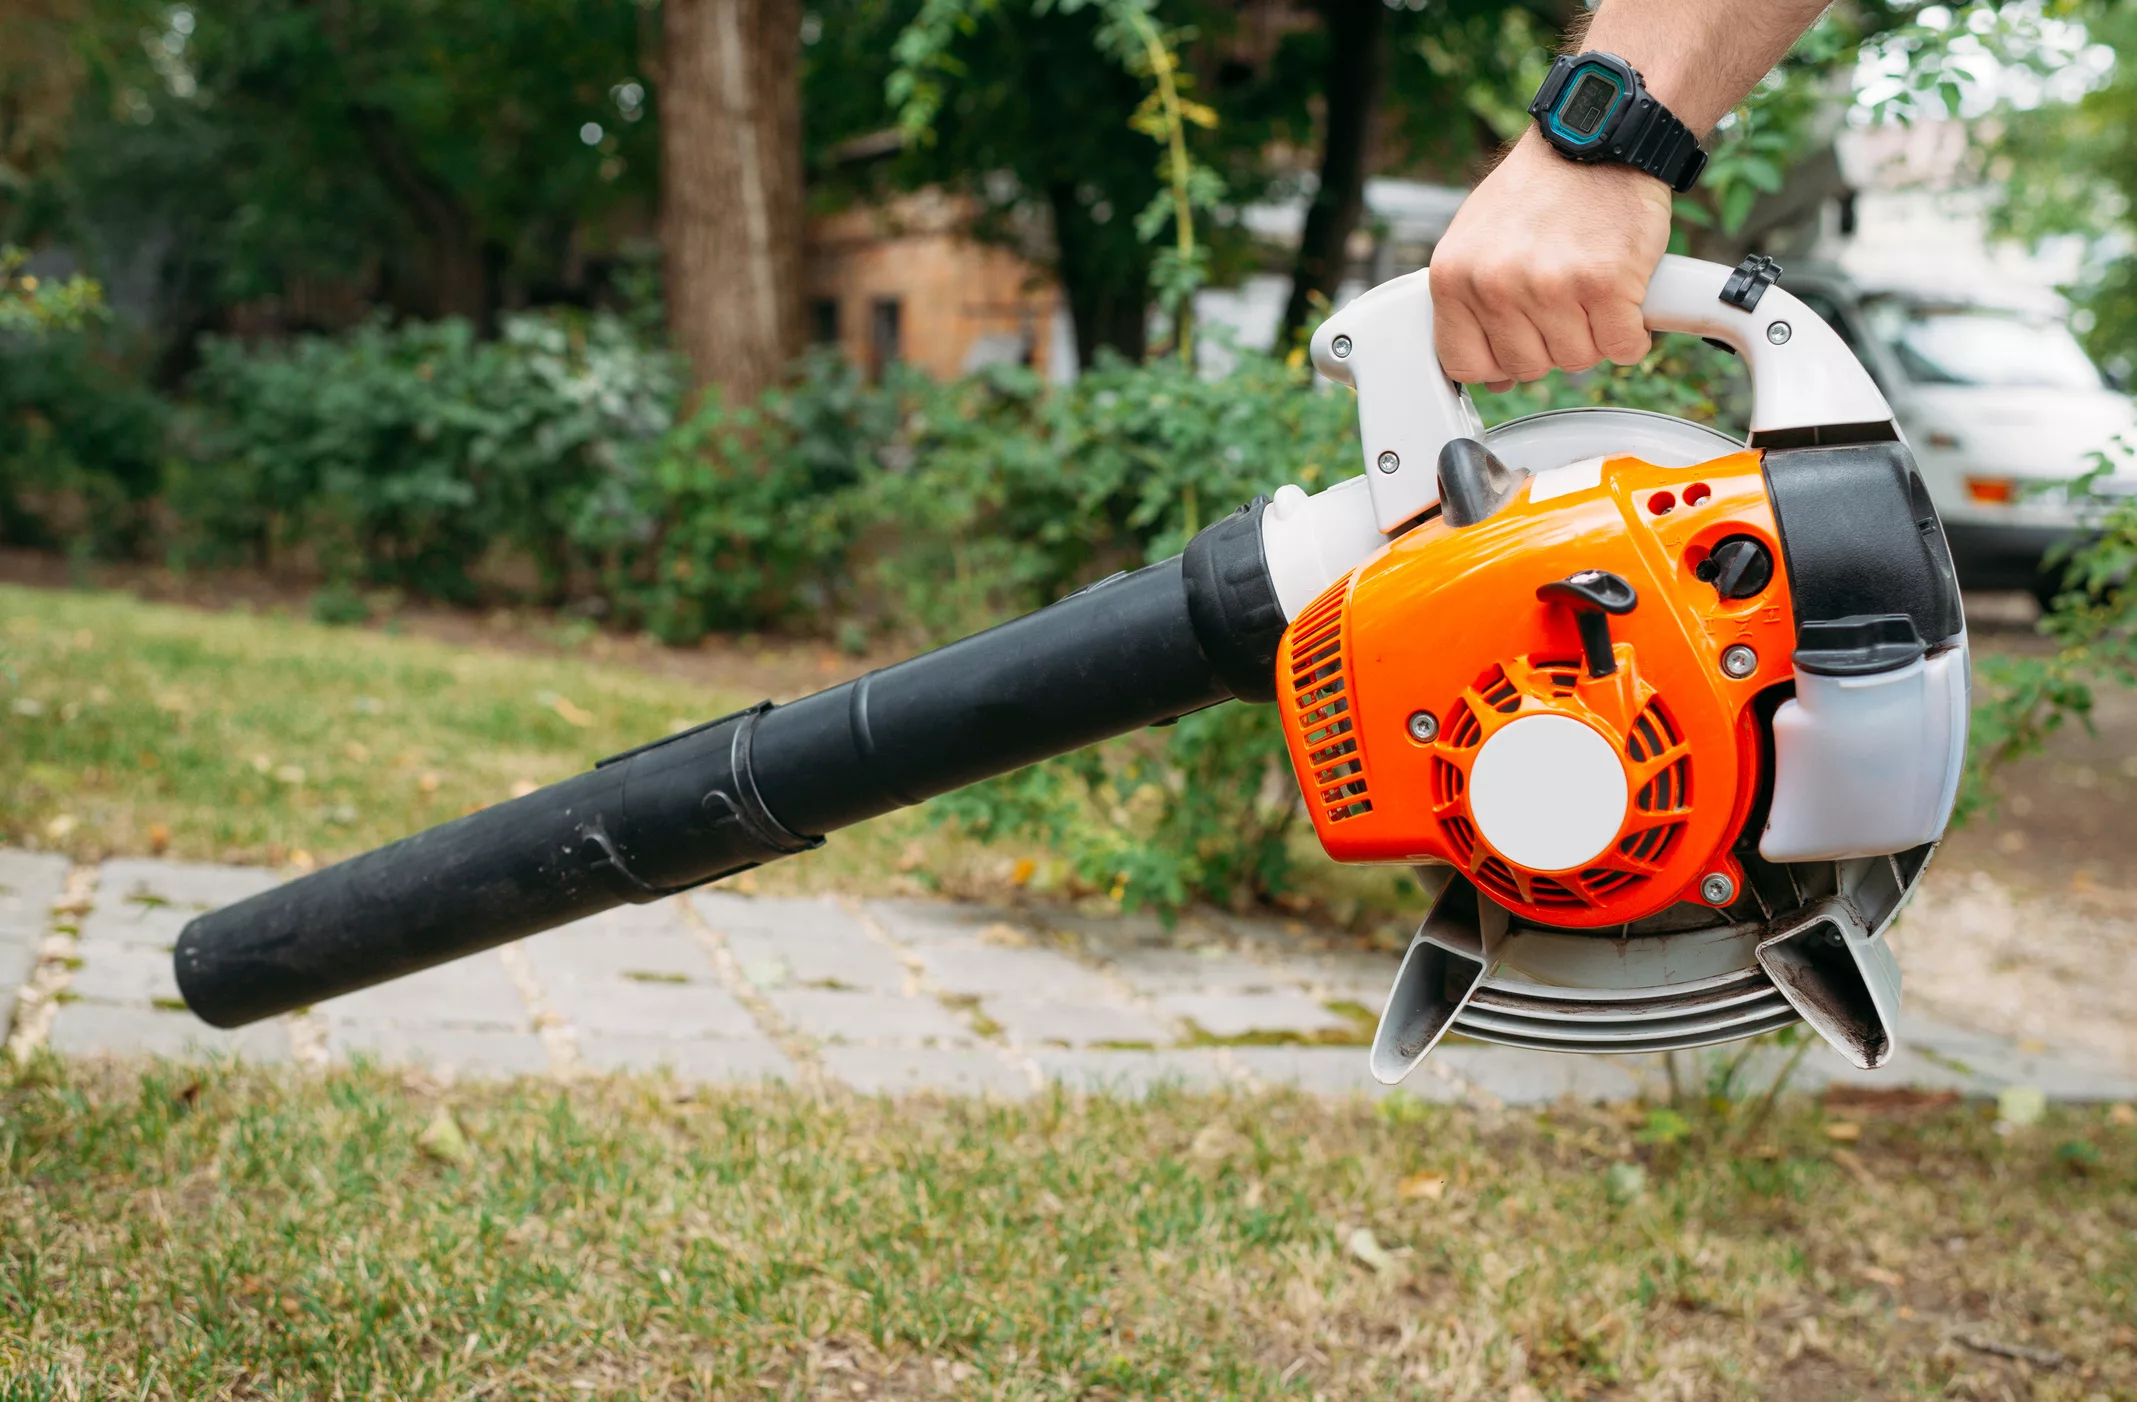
x: 1993, y: 402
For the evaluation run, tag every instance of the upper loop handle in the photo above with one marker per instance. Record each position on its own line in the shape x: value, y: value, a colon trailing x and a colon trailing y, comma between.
x: 1807, y: 386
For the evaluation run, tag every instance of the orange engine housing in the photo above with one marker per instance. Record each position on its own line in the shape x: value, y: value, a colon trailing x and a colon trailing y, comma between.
x: 1447, y: 621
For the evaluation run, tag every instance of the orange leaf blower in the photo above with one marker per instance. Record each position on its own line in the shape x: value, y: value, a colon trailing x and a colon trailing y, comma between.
x: 1667, y: 724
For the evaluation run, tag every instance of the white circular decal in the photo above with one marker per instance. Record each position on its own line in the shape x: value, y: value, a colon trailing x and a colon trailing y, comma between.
x: 1548, y: 792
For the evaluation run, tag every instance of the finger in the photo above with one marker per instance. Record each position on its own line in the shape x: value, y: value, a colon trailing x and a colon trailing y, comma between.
x: 1556, y: 312
x: 1515, y: 342
x: 1619, y: 332
x: 1464, y: 352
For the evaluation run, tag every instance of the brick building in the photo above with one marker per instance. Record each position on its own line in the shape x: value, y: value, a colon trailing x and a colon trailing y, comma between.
x: 905, y: 282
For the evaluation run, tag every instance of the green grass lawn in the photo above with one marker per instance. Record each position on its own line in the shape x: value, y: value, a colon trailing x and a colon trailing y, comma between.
x: 244, y: 738
x: 132, y: 728
x: 196, y: 1232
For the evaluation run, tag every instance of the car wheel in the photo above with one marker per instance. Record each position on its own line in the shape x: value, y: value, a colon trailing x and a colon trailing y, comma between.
x: 2044, y: 588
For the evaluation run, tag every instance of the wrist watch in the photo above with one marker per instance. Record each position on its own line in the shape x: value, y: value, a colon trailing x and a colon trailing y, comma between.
x: 1594, y: 107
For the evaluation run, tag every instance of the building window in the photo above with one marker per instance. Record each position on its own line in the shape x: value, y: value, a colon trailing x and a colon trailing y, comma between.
x: 885, y: 335
x: 823, y: 321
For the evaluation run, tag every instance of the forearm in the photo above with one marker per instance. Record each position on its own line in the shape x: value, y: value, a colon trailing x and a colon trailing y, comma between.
x: 1700, y: 57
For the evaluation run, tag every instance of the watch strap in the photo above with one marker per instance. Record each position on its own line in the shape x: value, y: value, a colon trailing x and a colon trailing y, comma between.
x: 1652, y: 139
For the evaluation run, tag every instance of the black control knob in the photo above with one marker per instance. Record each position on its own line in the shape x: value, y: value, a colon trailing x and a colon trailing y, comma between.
x: 1738, y: 567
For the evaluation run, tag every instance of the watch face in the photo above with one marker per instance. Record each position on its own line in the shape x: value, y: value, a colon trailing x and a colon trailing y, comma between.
x: 1582, y: 113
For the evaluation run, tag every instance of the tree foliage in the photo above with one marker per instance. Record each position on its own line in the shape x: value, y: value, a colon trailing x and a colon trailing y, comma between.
x: 433, y: 156
x: 33, y: 306
x: 2069, y: 169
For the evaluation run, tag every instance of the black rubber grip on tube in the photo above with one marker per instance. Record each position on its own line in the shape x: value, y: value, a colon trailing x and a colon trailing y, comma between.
x: 734, y: 793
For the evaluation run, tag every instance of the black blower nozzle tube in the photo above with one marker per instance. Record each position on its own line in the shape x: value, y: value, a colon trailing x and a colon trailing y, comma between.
x: 756, y: 786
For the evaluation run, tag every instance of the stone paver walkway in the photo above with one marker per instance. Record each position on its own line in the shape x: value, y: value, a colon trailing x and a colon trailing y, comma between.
x: 880, y: 996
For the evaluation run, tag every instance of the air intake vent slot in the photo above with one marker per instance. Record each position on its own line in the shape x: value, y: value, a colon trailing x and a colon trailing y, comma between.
x: 1498, y: 690
x: 1653, y: 736
x: 1320, y: 695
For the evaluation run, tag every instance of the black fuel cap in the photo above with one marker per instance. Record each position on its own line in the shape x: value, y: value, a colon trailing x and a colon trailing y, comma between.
x: 1738, y: 567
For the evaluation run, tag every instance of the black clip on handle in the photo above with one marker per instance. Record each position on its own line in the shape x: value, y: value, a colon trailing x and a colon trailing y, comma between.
x: 1593, y: 595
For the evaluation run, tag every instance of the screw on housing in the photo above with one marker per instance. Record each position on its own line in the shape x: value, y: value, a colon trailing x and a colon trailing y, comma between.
x: 1341, y: 346
x: 1715, y: 888
x: 1424, y: 727
x: 1739, y: 662
x: 1389, y: 462
x: 1778, y: 333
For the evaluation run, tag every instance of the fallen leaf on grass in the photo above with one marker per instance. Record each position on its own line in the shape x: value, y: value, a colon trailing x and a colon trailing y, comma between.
x: 1215, y: 1141
x: 522, y: 787
x: 1021, y: 874
x: 1625, y: 1181
x: 1365, y: 1247
x: 569, y: 713
x: 1852, y: 1162
x: 428, y: 783
x: 357, y: 751
x: 2123, y: 1115
x: 159, y: 839
x: 445, y: 1141
x: 1878, y: 1275
x: 302, y: 860
x: 1843, y: 1131
x: 1429, y: 1187
x: 2019, y: 1106
x: 60, y: 826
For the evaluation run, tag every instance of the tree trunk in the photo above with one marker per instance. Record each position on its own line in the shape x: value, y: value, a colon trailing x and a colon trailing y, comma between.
x: 1350, y: 89
x: 1106, y: 279
x: 731, y: 189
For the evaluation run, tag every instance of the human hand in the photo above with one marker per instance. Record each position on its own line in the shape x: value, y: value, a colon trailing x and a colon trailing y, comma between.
x: 1544, y: 268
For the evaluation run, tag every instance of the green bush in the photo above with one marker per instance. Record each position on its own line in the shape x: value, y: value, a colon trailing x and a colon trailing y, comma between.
x: 742, y: 516
x: 81, y: 446
x: 2023, y: 700
x: 409, y: 455
x: 1120, y: 470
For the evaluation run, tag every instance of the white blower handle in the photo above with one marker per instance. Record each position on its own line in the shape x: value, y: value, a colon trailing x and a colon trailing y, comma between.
x: 1803, y: 377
